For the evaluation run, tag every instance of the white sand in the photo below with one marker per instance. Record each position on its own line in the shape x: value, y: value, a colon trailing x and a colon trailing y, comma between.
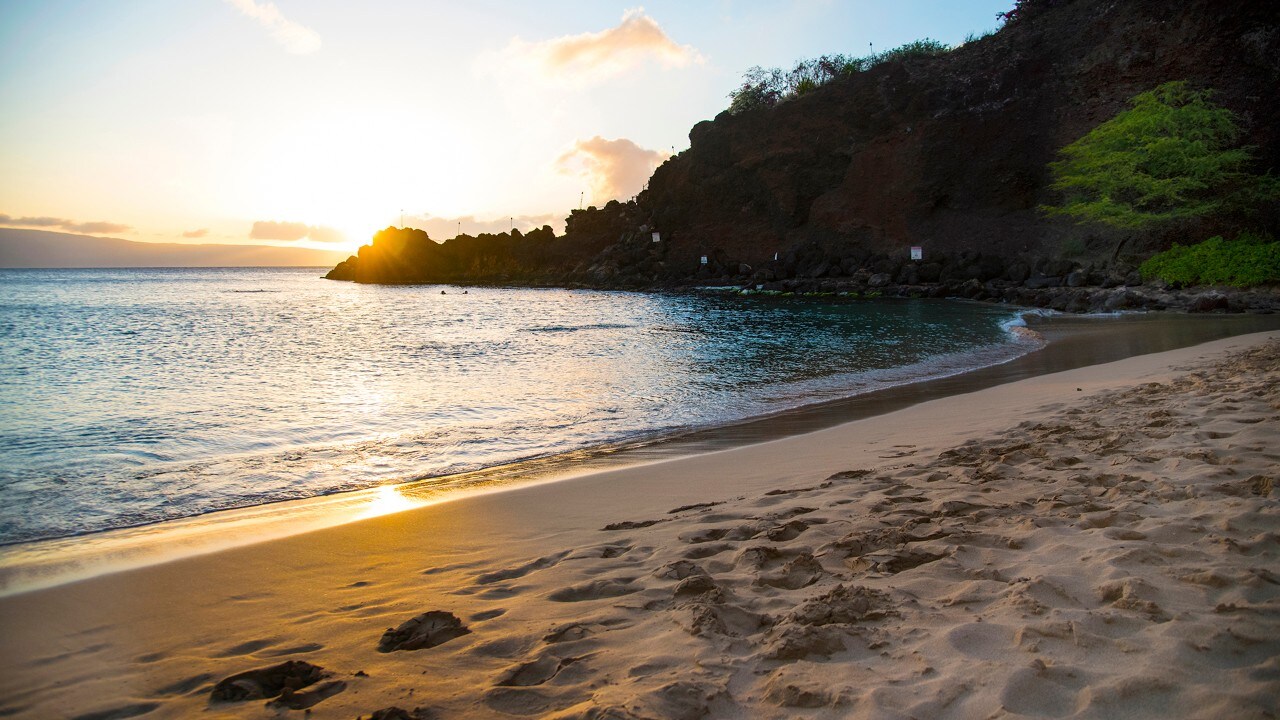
x: 1096, y: 543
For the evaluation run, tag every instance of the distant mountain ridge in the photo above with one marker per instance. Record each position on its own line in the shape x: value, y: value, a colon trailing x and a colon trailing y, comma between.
x: 22, y: 248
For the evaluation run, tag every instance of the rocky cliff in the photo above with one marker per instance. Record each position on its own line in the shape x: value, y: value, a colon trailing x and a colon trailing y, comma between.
x: 831, y: 189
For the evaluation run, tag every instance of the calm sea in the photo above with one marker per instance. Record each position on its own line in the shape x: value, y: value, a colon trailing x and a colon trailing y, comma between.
x: 135, y: 396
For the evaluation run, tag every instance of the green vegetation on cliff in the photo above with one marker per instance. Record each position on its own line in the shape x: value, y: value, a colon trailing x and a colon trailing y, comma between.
x: 1172, y: 156
x: 766, y: 87
x: 1244, y: 262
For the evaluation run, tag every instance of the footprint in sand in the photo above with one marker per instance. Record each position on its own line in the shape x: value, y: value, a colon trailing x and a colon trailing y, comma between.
x: 695, y: 506
x: 397, y: 713
x: 567, y: 633
x: 700, y: 588
x: 801, y: 571
x: 801, y: 642
x: 631, y: 524
x: 594, y: 590
x: 795, y: 491
x: 707, y: 551
x: 267, y: 682
x: 847, y: 475
x: 184, y: 686
x: 891, y: 562
x: 789, y: 531
x: 119, y: 713
x: 679, y: 570
x: 294, y: 700
x: 704, y: 535
x: 984, y: 640
x: 1042, y: 691
x: 764, y: 557
x: 519, y: 572
x: 295, y: 650
x: 424, y: 631
x: 844, y: 604
x: 530, y: 701
x: 788, y: 687
x: 535, y: 672
x: 607, y: 551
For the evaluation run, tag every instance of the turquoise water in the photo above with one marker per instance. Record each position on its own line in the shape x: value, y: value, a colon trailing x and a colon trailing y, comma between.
x: 135, y: 396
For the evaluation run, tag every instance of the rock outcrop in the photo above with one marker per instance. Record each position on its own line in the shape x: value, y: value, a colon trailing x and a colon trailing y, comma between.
x: 946, y: 153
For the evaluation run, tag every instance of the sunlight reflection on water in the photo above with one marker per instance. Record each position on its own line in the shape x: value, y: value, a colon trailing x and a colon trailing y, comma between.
x: 134, y: 396
x: 386, y: 500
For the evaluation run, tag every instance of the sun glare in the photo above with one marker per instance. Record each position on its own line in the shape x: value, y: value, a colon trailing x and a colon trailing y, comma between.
x: 353, y: 171
x: 386, y: 500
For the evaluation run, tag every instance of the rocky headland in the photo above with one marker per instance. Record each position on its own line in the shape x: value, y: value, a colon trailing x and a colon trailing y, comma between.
x: 829, y: 191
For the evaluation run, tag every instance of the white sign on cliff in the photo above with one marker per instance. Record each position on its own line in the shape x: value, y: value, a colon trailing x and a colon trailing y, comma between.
x: 917, y: 252
x: 657, y: 237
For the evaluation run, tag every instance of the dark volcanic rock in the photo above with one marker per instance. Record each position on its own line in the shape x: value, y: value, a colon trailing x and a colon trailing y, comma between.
x: 948, y: 153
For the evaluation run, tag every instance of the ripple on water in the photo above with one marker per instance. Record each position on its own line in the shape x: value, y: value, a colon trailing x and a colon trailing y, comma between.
x: 132, y: 396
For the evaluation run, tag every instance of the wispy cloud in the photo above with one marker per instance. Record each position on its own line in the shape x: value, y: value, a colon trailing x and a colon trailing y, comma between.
x: 295, y: 38
x: 289, y: 231
x: 595, y: 56
x: 192, y: 234
x: 615, y: 169
x: 443, y: 228
x: 85, y: 228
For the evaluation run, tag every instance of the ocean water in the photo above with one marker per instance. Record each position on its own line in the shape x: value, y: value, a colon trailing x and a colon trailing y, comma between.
x: 135, y: 396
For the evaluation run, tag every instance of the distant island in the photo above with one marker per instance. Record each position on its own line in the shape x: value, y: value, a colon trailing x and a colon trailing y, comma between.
x: 20, y: 248
x: 924, y: 170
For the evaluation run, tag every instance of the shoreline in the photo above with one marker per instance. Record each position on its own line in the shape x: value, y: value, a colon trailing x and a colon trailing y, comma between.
x: 1068, y: 342
x: 713, y: 572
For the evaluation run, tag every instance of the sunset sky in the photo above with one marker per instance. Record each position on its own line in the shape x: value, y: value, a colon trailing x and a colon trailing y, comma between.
x: 317, y: 122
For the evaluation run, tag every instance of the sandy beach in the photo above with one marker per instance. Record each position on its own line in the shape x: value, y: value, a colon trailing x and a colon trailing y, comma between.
x: 1101, y: 542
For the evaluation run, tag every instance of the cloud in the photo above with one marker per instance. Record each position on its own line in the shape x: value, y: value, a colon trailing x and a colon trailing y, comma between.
x: 615, y: 169
x: 592, y: 57
x: 271, y: 230
x: 90, y: 228
x: 443, y: 228
x: 196, y: 233
x: 323, y: 234
x: 87, y: 228
x: 295, y: 38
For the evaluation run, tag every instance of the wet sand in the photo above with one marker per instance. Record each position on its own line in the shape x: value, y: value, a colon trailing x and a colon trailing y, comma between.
x: 1097, y: 542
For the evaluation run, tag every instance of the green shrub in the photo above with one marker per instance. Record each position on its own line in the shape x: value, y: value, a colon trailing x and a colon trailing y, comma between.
x: 766, y: 87
x: 760, y: 88
x: 1248, y: 260
x: 915, y: 49
x: 1173, y: 156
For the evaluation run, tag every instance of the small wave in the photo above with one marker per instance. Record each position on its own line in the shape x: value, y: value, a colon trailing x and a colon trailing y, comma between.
x: 576, y: 328
x: 1022, y: 332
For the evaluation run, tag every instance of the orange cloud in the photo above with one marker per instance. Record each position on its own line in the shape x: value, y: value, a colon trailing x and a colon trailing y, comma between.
x: 594, y: 56
x: 196, y: 233
x: 295, y: 38
x: 289, y: 231
x: 615, y: 169
x: 87, y: 228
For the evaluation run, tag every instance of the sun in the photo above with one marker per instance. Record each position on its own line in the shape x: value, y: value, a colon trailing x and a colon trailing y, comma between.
x: 354, y: 170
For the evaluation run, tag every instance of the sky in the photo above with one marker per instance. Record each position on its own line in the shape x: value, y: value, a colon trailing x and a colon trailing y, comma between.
x: 315, y: 123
